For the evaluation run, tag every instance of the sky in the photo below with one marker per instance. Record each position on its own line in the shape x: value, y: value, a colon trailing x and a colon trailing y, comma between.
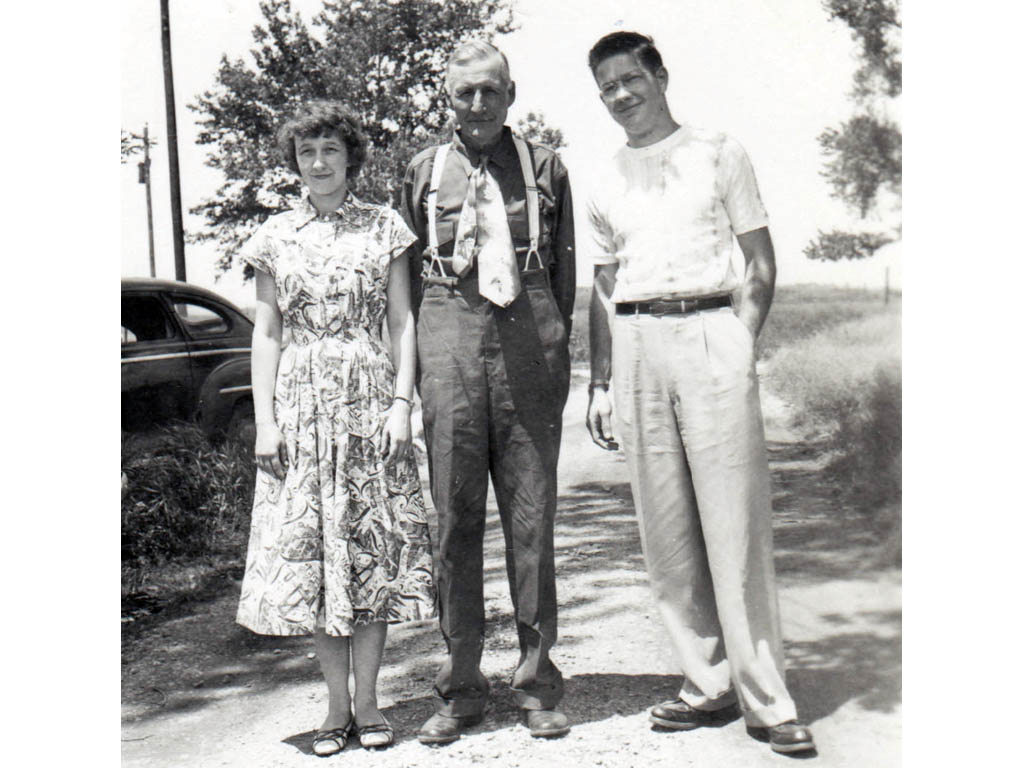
x: 772, y: 73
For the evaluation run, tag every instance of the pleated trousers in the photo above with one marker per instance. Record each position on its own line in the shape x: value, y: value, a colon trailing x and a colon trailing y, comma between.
x: 689, y: 417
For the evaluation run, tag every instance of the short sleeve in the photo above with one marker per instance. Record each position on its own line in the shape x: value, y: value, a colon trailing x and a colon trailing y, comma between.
x: 396, y: 234
x: 739, y: 190
x: 601, y: 244
x: 259, y: 250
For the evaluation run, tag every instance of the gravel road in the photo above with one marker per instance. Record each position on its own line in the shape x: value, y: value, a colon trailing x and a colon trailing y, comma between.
x: 197, y: 690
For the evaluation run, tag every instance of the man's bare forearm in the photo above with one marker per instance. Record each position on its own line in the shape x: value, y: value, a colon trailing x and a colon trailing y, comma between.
x: 758, y: 279
x: 600, y: 330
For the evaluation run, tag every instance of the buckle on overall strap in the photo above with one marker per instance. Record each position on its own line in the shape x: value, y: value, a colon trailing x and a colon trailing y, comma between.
x: 532, y: 209
x: 532, y: 202
x: 534, y: 255
x: 434, y: 264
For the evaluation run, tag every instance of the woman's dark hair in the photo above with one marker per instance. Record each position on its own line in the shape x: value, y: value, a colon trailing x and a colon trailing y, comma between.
x: 323, y: 118
x: 615, y: 43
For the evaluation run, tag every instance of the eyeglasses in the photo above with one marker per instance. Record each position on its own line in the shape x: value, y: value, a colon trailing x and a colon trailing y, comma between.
x: 630, y: 81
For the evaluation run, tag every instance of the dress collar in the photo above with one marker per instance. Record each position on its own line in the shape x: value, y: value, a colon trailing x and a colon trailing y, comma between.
x: 503, y: 154
x: 305, y: 211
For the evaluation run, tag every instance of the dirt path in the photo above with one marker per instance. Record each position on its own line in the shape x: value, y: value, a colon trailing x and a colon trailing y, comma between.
x: 197, y: 690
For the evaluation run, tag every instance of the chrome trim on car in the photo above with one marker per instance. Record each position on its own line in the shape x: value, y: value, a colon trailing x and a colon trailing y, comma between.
x: 239, y: 388
x: 205, y: 352
x: 171, y: 355
x: 148, y: 358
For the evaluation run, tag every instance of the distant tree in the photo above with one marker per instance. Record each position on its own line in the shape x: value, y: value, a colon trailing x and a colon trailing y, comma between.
x: 384, y: 58
x: 132, y: 144
x: 865, y: 154
x: 533, y: 128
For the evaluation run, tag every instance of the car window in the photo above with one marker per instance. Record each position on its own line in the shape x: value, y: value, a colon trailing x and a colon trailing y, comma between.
x: 200, y: 319
x: 143, y: 319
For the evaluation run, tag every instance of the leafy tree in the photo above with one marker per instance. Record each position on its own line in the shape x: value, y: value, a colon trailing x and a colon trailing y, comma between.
x: 533, y: 128
x: 865, y: 154
x: 384, y: 58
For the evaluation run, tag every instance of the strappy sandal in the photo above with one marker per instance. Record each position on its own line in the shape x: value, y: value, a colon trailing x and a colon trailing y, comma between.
x: 339, y: 737
x: 381, y: 735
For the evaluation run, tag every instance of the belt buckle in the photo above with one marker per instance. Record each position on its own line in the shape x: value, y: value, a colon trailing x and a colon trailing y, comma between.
x: 683, y: 308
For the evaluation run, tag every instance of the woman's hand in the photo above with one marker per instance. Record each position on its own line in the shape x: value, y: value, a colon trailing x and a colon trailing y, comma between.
x: 271, y: 453
x: 397, y: 432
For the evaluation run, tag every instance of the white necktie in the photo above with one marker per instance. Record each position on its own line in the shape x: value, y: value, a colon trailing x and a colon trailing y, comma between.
x: 483, y: 235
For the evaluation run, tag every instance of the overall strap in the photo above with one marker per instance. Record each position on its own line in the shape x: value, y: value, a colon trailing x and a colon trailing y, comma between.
x: 532, y: 201
x: 435, y: 182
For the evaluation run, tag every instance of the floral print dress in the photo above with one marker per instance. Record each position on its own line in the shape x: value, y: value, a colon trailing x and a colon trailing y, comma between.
x: 342, y: 540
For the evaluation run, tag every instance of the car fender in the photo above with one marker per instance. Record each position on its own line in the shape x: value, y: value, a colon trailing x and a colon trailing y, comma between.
x: 227, y: 385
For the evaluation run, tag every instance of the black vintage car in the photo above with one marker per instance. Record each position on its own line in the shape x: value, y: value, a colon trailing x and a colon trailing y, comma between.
x: 185, y: 354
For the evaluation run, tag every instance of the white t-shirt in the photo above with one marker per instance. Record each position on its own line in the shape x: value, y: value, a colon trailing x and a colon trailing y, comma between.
x: 667, y: 213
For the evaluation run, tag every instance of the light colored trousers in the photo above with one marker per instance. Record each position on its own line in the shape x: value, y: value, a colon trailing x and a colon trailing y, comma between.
x: 689, y: 417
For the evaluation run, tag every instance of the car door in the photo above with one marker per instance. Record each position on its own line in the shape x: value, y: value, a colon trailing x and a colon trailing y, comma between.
x: 156, y: 375
x: 220, y: 346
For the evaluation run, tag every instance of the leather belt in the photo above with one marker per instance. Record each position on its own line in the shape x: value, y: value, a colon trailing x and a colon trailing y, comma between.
x: 677, y: 307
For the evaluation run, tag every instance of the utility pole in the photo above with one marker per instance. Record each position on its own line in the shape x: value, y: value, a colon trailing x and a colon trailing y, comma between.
x: 144, y: 179
x: 177, y: 228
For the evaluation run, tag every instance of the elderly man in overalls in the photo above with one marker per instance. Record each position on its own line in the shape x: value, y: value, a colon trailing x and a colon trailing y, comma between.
x: 493, y: 292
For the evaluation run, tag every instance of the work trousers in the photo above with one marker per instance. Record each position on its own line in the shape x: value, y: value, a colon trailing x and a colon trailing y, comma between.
x: 689, y: 417
x: 493, y: 383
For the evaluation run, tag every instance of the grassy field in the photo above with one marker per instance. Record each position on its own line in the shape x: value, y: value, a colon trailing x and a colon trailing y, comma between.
x: 797, y: 312
x: 844, y: 383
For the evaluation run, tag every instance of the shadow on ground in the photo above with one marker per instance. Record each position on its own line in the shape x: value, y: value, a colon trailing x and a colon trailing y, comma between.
x: 862, y: 667
x: 191, y: 653
x: 586, y: 701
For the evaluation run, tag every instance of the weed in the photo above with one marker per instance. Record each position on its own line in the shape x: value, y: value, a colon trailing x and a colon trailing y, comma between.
x: 846, y: 381
x: 184, y: 499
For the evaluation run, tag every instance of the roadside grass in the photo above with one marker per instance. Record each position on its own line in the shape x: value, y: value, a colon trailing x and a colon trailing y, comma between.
x: 185, y: 508
x: 845, y: 382
x: 800, y: 311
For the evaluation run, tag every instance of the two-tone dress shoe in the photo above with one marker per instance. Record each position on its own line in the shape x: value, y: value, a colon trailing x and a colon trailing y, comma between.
x: 546, y: 723
x: 444, y: 729
x: 680, y: 716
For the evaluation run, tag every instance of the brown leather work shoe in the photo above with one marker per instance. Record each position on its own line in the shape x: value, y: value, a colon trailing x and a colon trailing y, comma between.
x: 546, y: 723
x: 789, y: 737
x: 442, y: 729
x: 680, y: 716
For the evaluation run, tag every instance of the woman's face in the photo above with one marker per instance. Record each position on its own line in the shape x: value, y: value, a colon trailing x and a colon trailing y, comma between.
x: 323, y: 164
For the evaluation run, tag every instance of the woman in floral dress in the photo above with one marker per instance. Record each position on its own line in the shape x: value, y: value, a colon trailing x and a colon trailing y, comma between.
x: 339, y: 546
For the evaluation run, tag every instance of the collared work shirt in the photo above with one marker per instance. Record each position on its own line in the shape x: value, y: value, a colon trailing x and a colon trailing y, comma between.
x: 667, y: 213
x: 557, y: 236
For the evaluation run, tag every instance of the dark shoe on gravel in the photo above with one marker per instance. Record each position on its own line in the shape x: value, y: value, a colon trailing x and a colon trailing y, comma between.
x: 546, y: 723
x: 680, y: 716
x: 442, y: 729
x: 331, y: 742
x: 789, y: 737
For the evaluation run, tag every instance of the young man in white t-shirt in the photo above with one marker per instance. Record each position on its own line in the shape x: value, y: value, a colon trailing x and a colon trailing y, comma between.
x: 686, y: 392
